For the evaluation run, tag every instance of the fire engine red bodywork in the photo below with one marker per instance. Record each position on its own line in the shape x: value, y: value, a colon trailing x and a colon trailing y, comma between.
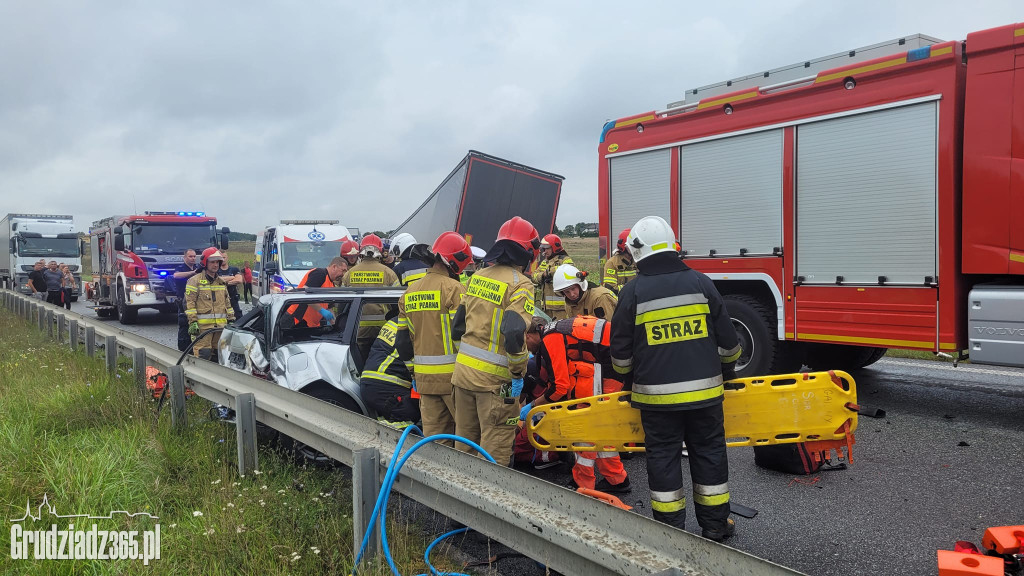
x: 980, y: 165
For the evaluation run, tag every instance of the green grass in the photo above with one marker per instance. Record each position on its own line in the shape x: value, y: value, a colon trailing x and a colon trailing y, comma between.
x: 240, y: 252
x: 584, y: 253
x: 92, y: 443
x: 919, y: 355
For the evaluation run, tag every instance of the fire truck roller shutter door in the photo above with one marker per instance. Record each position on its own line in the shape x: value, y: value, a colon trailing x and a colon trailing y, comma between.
x: 732, y: 195
x: 640, y: 186
x: 866, y: 197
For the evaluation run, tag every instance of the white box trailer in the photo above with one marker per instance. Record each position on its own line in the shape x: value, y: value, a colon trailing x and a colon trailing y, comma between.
x: 27, y: 238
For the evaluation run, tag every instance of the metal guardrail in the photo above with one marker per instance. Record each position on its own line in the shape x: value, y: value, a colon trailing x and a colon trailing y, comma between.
x: 566, y: 531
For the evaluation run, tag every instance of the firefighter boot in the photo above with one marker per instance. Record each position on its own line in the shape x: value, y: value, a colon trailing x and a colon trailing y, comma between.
x: 720, y: 535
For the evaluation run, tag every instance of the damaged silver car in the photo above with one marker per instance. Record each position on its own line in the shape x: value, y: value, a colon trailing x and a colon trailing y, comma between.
x: 314, y: 340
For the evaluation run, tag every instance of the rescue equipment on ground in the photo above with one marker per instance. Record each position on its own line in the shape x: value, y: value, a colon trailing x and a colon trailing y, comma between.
x: 156, y: 381
x: 817, y: 408
x: 1003, y: 554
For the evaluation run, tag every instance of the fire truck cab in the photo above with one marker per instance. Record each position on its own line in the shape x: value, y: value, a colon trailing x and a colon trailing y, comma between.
x: 134, y: 257
x: 845, y: 205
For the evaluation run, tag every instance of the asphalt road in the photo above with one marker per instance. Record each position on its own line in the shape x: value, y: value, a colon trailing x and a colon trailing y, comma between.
x: 946, y: 462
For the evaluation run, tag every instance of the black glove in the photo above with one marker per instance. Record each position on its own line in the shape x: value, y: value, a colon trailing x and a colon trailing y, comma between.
x: 729, y: 371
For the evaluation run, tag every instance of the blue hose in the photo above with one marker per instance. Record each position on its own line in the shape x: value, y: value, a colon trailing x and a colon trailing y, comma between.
x: 380, y: 507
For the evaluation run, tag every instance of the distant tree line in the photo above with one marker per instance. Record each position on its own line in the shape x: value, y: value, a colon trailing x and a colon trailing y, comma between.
x: 580, y: 230
x: 241, y: 237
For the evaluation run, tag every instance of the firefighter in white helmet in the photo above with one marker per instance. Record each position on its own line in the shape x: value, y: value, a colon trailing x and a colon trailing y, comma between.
x: 673, y: 340
x: 581, y: 299
x: 408, y: 269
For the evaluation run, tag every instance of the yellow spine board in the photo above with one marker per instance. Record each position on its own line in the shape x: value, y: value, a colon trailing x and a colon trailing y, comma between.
x: 759, y: 411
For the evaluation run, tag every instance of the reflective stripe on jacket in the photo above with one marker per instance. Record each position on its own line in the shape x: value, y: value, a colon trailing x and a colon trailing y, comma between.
x: 410, y: 270
x: 618, y: 270
x: 671, y: 330
x: 552, y: 303
x: 382, y: 362
x: 207, y: 302
x: 425, y: 314
x: 484, y: 362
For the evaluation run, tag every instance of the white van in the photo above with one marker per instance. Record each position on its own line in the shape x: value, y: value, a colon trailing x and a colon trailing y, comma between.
x: 293, y: 248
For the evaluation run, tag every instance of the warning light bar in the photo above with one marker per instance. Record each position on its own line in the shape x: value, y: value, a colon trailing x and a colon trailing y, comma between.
x: 149, y: 213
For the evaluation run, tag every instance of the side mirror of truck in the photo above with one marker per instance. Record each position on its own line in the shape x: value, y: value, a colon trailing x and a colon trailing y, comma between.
x: 271, y: 267
x: 81, y: 248
x: 14, y: 245
x: 118, y: 241
x: 224, y: 237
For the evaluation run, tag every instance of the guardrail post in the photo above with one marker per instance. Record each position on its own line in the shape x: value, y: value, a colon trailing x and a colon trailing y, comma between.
x: 40, y: 317
x: 110, y: 352
x: 139, y: 367
x: 365, y: 490
x: 73, y: 334
x: 60, y: 328
x: 176, y: 382
x: 245, y: 427
x: 90, y: 341
x: 49, y: 323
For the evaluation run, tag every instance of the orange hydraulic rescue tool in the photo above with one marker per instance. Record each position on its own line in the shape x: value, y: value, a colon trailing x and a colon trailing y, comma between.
x: 1004, y: 554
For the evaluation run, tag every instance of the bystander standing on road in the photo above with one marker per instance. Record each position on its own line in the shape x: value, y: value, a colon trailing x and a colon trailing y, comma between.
x: 182, y: 273
x: 36, y: 282
x: 233, y: 277
x: 246, y: 282
x: 67, y: 285
x: 53, y: 278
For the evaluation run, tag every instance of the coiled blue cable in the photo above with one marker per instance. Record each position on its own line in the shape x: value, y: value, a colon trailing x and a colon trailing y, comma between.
x: 380, y: 507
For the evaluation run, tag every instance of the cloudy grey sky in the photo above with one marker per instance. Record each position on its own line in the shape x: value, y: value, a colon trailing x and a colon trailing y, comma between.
x: 255, y: 111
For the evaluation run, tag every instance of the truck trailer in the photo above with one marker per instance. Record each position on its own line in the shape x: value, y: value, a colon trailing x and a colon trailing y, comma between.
x: 845, y: 205
x: 284, y: 253
x: 134, y: 257
x: 28, y: 238
x: 480, y: 194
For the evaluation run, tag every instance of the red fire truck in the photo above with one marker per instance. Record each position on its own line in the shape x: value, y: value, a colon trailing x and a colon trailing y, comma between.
x: 134, y: 257
x: 867, y: 200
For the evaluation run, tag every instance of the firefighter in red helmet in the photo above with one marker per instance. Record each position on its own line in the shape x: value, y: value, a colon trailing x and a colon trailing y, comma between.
x: 425, y: 341
x: 370, y: 271
x: 491, y: 324
x: 620, y: 268
x: 207, y: 304
x: 553, y: 255
x: 350, y: 251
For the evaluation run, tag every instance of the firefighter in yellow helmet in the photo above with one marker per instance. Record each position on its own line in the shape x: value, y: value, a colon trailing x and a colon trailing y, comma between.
x: 552, y: 255
x: 207, y: 304
x: 492, y: 323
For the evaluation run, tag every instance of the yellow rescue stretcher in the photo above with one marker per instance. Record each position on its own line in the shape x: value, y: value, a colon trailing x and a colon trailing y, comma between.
x: 819, y: 408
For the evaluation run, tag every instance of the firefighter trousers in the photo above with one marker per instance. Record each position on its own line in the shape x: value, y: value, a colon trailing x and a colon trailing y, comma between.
x: 703, y: 430
x: 485, y: 418
x: 390, y: 401
x: 438, y: 414
x: 607, y: 463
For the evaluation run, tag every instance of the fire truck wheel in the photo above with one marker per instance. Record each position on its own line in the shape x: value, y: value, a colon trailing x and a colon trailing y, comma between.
x: 841, y: 356
x: 103, y: 313
x: 125, y: 313
x: 755, y: 326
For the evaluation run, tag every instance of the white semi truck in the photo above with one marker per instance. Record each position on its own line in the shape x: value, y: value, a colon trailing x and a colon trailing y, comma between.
x: 28, y: 238
x: 284, y: 253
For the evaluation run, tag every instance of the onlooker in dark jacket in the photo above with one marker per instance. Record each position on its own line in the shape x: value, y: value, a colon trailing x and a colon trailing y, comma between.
x: 233, y: 277
x: 36, y: 282
x: 53, y: 277
x: 182, y: 273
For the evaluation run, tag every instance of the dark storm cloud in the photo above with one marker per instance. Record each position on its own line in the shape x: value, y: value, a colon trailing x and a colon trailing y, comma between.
x: 258, y: 111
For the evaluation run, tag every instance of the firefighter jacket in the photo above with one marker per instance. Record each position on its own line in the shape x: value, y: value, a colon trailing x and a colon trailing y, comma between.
x: 618, y: 270
x: 425, y: 314
x: 596, y: 301
x: 369, y: 272
x: 306, y: 313
x: 672, y: 333
x: 492, y: 322
x: 553, y: 304
x: 207, y: 302
x: 382, y: 363
x: 576, y: 355
x: 410, y: 270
